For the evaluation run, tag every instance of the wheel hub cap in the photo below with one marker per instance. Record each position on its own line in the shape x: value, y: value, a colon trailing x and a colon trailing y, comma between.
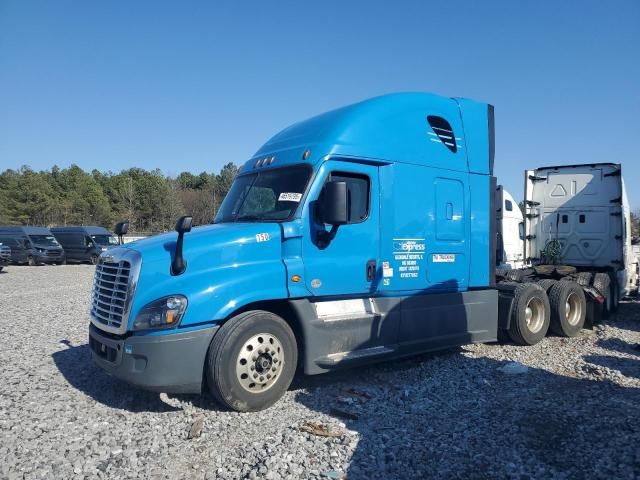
x: 260, y: 362
x: 534, y: 314
x: 573, y: 309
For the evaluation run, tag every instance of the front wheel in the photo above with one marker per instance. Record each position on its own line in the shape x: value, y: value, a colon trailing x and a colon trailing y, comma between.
x: 31, y: 261
x: 251, y: 361
x: 93, y: 260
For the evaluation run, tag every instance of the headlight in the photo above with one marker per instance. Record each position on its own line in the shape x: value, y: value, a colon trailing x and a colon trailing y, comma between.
x: 165, y: 312
x: 41, y: 250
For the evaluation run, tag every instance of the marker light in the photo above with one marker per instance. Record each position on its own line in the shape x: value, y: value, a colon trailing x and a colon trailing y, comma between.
x: 296, y: 278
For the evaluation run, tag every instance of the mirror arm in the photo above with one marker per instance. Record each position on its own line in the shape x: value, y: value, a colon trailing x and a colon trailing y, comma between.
x: 178, y: 265
x: 324, y: 238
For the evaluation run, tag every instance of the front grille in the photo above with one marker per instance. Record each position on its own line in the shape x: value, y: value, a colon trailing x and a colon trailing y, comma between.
x: 5, y: 252
x: 54, y: 253
x: 110, y: 293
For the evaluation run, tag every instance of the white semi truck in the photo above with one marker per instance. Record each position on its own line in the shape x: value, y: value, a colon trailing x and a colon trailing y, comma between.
x: 575, y: 238
x: 510, y: 230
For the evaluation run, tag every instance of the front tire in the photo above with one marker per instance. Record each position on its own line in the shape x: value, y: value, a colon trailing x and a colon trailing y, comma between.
x: 530, y: 314
x: 31, y: 261
x: 251, y: 361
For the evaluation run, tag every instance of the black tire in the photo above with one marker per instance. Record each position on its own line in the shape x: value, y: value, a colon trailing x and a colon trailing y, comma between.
x: 568, y: 308
x: 230, y: 344
x: 31, y: 261
x: 93, y: 260
x: 529, y: 328
x: 601, y: 282
x: 518, y: 275
x: 547, y: 283
x: 584, y: 279
x: 514, y: 275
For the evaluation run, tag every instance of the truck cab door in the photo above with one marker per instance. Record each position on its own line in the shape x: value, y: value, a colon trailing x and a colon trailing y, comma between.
x: 346, y: 265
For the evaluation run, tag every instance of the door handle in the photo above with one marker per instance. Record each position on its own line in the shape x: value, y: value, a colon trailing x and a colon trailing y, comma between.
x: 371, y: 270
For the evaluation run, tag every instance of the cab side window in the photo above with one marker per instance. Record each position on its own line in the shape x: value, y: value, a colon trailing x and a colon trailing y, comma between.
x: 358, y: 187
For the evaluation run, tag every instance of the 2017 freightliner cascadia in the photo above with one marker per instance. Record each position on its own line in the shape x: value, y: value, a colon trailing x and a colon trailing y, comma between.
x: 362, y: 234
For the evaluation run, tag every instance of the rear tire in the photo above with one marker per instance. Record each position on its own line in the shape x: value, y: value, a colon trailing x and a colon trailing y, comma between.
x: 244, y: 375
x: 530, y: 314
x: 547, y: 283
x: 601, y: 282
x: 584, y: 279
x: 568, y: 308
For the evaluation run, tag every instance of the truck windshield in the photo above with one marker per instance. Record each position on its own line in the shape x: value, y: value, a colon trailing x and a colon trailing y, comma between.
x: 269, y: 195
x: 47, y: 240
x: 105, y: 240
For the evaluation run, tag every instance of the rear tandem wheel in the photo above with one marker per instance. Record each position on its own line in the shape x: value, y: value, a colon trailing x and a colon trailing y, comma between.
x: 530, y: 314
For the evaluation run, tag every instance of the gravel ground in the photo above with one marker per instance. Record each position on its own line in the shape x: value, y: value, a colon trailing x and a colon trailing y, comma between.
x: 575, y: 412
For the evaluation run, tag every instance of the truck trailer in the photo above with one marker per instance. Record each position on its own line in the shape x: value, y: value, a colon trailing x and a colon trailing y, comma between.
x: 363, y: 234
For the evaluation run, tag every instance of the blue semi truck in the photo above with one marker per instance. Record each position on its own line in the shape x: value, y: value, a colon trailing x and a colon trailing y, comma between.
x: 362, y: 234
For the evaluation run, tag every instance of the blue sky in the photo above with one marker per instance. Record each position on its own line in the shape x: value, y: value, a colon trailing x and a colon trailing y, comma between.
x: 193, y: 85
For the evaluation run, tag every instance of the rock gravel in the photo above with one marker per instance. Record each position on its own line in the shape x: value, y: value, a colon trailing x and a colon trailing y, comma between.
x: 574, y: 412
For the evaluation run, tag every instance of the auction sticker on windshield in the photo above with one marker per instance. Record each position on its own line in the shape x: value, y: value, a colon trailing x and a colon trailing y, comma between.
x: 289, y: 197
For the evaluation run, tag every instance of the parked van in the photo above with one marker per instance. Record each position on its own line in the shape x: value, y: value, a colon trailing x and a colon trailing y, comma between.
x: 84, y: 243
x: 5, y: 256
x: 32, y: 245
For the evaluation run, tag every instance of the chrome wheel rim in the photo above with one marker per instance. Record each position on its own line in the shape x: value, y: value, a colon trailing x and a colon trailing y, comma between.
x: 573, y: 309
x: 260, y: 362
x: 534, y: 314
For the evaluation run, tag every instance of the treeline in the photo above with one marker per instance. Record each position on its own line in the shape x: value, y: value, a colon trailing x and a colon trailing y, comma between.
x: 150, y: 200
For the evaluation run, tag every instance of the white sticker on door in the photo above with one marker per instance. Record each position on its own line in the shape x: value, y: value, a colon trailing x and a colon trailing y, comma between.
x: 408, y: 254
x: 289, y: 197
x: 443, y: 257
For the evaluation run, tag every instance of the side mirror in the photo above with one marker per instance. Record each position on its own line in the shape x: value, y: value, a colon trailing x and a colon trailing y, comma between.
x: 121, y: 228
x: 183, y: 225
x: 335, y: 204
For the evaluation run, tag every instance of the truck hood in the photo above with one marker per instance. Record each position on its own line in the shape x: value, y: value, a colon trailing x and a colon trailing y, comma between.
x: 226, y: 264
x: 210, y: 241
